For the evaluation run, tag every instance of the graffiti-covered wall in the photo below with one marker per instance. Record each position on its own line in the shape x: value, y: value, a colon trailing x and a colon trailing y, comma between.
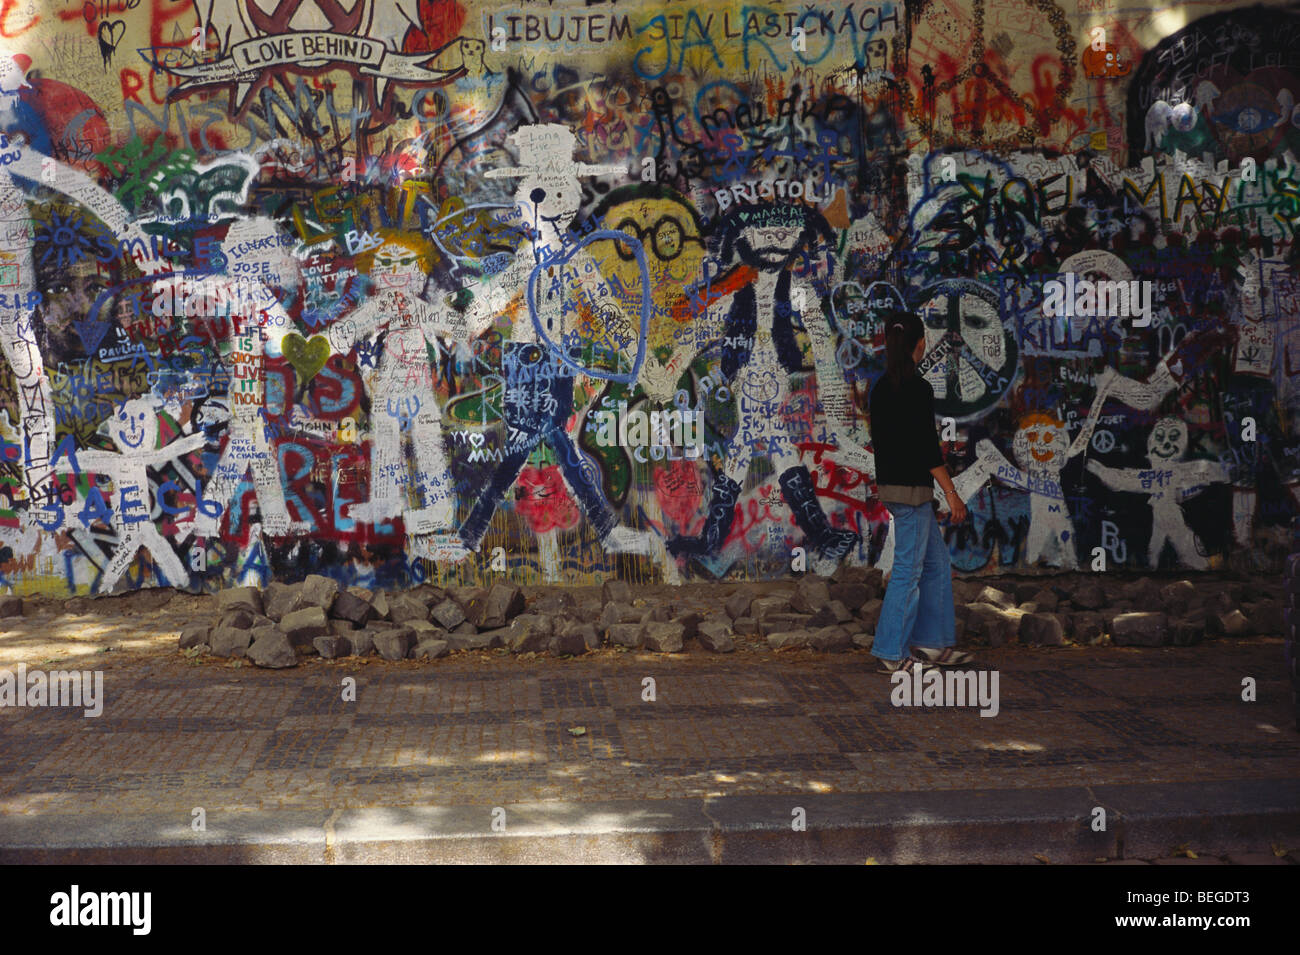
x: 397, y: 290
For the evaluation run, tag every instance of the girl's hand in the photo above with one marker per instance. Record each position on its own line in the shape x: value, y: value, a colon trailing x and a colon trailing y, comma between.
x: 956, y: 507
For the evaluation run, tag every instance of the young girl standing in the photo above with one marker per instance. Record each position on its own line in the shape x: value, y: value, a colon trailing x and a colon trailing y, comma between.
x: 918, y: 610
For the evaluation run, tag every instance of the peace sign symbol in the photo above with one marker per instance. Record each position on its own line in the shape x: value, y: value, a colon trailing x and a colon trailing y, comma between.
x: 972, y: 361
x: 1039, y: 117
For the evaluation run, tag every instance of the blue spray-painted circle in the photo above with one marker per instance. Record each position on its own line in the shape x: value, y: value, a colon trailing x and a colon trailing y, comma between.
x: 561, y: 353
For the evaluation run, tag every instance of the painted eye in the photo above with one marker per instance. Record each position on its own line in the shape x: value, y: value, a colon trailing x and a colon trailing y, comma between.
x: 1248, y: 119
x: 1047, y: 438
x: 1032, y: 435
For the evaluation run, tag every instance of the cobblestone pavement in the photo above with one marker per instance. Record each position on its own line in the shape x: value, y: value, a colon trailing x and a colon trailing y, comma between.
x: 488, y: 728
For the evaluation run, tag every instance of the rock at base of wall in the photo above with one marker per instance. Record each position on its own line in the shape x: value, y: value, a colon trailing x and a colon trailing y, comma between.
x: 1088, y: 627
x: 351, y: 608
x: 229, y: 642
x: 1089, y: 595
x: 406, y: 609
x: 788, y: 639
x: 530, y: 633
x: 272, y: 650
x: 615, y: 591
x: 195, y: 637
x: 279, y: 599
x: 503, y: 603
x: 1188, y: 631
x: 332, y: 647
x: 1265, y: 618
x: 318, y: 591
x: 394, y: 644
x: 852, y: 594
x: 832, y: 614
x: 737, y: 605
x: 239, y: 598
x: 833, y: 639
x: 784, y: 622
x: 1230, y: 624
x: 570, y: 640
x: 239, y: 619
x: 448, y: 615
x: 810, y: 595
x: 995, y: 598
x: 715, y: 636
x: 1140, y: 630
x: 619, y: 613
x: 996, y: 625
x: 665, y: 637
x: 1045, y: 600
x: 304, y: 626
x: 764, y: 607
x: 1178, y: 597
x: 626, y: 634
x: 869, y: 614
x: 1041, y: 629
x: 429, y: 648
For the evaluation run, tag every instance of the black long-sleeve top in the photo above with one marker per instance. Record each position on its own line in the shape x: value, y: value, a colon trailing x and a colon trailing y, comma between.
x: 903, y: 434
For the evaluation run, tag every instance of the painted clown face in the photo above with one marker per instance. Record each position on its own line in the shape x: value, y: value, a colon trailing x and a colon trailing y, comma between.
x: 134, y: 428
x: 1167, y: 441
x: 1041, y: 443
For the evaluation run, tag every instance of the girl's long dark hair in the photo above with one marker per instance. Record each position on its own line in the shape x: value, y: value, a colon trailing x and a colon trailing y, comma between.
x: 902, y: 331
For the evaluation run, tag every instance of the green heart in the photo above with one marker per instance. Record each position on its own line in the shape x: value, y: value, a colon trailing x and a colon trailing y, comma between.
x: 308, y: 356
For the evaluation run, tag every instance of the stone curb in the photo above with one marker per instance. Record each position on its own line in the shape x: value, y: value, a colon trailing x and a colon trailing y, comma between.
x: 954, y: 826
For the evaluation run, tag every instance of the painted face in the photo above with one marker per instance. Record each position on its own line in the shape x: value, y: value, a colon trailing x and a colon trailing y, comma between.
x: 767, y: 246
x: 673, y: 250
x: 398, y: 267
x: 1167, y: 441
x: 1041, y: 443
x: 134, y: 427
x: 549, y: 195
x: 70, y: 293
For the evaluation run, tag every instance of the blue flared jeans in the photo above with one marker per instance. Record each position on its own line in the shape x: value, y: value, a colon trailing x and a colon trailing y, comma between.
x: 918, y: 609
